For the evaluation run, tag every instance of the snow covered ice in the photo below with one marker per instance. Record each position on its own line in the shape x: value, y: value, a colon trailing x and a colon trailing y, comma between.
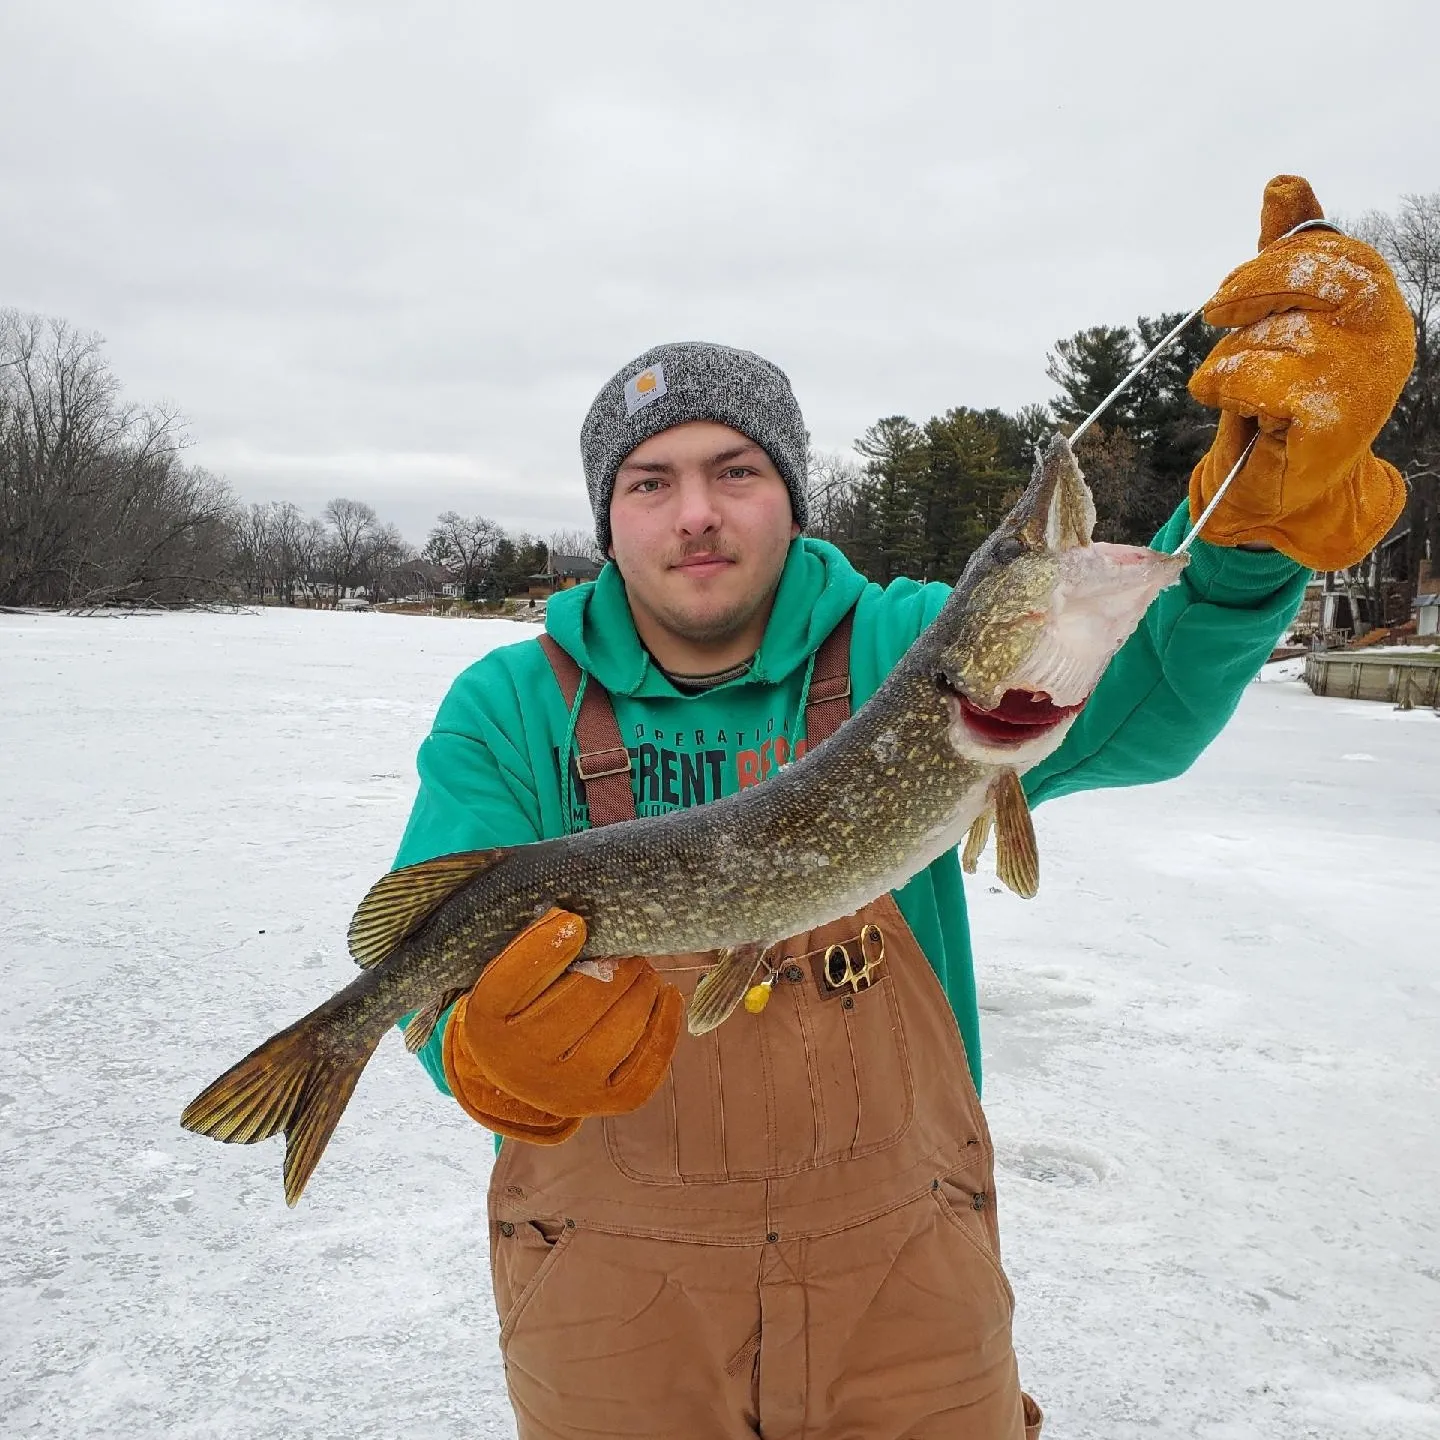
x: 1212, y: 1049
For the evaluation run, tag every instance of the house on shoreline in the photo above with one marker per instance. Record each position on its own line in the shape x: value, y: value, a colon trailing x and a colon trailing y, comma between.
x: 562, y: 572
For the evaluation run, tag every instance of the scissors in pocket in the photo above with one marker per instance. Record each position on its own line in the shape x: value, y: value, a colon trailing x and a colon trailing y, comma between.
x: 839, y: 969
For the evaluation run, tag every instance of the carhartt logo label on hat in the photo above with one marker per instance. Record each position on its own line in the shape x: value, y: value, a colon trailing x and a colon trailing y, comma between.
x: 644, y: 389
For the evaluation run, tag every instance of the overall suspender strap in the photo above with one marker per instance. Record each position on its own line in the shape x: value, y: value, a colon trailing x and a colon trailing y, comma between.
x: 602, y: 761
x: 827, y: 707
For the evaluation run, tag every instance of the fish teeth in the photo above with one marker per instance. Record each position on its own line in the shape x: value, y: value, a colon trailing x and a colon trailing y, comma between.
x: 1055, y: 668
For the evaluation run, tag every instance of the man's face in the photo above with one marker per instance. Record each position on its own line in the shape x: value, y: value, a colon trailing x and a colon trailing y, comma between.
x: 700, y: 523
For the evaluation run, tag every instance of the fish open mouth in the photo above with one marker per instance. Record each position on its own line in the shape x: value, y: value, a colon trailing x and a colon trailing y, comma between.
x: 1021, y: 715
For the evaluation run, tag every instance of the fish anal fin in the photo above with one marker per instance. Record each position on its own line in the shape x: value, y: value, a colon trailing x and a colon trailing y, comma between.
x: 975, y: 840
x: 1017, y: 860
x: 400, y: 902
x: 722, y: 988
x: 423, y: 1022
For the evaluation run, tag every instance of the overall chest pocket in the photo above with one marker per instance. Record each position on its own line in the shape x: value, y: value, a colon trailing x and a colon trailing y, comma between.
x: 820, y: 1076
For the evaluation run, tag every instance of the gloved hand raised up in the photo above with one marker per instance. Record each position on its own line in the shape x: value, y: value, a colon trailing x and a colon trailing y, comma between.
x: 1320, y: 347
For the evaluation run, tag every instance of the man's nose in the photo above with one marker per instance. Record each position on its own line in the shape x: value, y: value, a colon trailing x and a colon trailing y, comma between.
x: 698, y: 514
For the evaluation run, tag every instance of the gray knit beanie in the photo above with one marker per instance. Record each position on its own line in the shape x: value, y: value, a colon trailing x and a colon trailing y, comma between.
x: 674, y: 384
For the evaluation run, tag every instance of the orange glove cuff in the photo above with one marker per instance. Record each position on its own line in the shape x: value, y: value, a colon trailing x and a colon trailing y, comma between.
x: 484, y: 1101
x: 1331, y: 530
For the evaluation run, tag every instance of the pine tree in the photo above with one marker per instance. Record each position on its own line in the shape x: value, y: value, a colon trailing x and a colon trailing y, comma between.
x: 1139, y: 455
x: 1172, y: 430
x: 968, y: 478
x: 1031, y: 424
x: 1087, y: 367
x: 889, y: 538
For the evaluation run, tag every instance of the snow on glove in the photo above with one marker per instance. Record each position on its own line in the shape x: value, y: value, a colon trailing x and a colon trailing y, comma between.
x: 1320, y: 347
x: 561, y: 1045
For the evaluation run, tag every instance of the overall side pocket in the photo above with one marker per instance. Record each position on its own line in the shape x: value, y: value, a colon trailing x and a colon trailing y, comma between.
x: 972, y: 1213
x: 524, y: 1254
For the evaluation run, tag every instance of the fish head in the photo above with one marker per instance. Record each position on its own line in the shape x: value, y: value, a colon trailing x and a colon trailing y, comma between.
x: 1037, y: 616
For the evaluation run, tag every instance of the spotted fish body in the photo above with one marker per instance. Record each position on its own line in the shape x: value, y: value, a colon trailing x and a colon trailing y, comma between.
x: 987, y: 691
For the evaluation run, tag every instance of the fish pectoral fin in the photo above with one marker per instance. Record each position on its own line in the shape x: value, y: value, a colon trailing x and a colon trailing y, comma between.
x: 400, y: 902
x: 721, y: 989
x: 298, y: 1082
x: 975, y: 840
x: 1017, y: 860
x: 422, y: 1023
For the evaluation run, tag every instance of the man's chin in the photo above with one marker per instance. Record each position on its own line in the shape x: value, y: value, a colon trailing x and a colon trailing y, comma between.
x: 709, y: 627
x: 711, y: 620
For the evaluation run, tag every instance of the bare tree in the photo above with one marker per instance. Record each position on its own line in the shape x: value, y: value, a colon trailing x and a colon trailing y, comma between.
x: 832, y: 483
x: 1410, y: 241
x: 288, y: 528
x: 311, y: 539
x: 95, y: 504
x: 352, y: 527
x: 1114, y: 466
x: 465, y: 546
x: 580, y: 543
x: 253, y: 542
x: 382, y: 561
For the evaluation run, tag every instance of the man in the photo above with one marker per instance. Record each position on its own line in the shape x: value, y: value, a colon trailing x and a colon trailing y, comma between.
x: 788, y: 1226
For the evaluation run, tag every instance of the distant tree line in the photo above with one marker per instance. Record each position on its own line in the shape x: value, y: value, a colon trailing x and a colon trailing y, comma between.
x: 280, y: 553
x: 926, y: 495
x: 97, y: 505
x: 488, y: 564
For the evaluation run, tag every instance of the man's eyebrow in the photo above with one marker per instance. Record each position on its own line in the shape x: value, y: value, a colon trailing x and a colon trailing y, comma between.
x: 650, y: 467
x: 734, y: 453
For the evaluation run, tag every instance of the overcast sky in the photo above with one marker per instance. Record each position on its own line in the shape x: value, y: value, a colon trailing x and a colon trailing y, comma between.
x: 392, y: 251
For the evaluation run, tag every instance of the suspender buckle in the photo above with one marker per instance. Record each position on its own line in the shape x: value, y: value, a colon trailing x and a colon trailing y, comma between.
x: 599, y: 763
x: 834, y: 687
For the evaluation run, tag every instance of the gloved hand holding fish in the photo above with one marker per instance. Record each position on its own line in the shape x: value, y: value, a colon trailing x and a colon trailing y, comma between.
x: 986, y: 692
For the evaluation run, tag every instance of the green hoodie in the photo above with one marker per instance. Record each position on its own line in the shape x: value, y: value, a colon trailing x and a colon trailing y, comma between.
x: 490, y: 771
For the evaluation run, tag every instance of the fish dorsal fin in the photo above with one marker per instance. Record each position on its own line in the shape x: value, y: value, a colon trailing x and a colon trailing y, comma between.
x: 1017, y: 861
x: 400, y: 902
x: 975, y: 839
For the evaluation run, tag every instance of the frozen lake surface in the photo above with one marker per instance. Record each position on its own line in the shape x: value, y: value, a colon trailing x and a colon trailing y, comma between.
x: 1212, y: 1049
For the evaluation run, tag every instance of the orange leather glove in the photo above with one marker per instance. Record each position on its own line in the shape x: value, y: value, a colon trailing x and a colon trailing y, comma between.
x: 1321, y: 345
x: 483, y: 1100
x: 532, y: 1049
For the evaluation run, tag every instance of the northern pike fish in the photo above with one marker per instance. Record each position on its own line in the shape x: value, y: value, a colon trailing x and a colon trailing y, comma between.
x: 986, y: 692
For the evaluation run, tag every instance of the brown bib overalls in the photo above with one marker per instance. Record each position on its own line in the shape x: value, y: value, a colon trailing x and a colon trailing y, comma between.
x: 796, y: 1236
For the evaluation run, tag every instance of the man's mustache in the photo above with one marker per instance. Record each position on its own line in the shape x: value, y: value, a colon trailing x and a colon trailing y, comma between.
x: 706, y: 548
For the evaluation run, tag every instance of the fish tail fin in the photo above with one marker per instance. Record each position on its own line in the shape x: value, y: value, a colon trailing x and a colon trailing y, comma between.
x: 298, y: 1082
